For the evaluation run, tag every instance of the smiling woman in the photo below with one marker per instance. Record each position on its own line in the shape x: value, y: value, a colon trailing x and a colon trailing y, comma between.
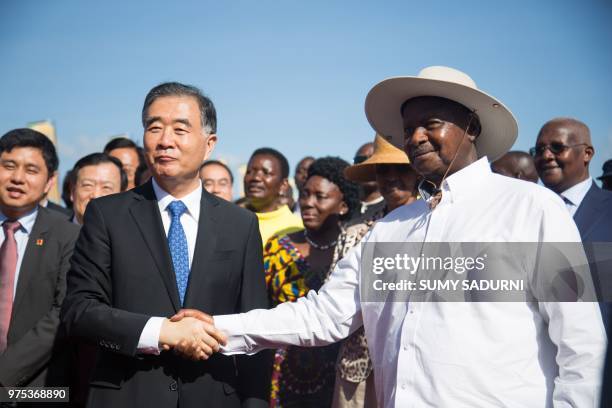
x: 264, y: 182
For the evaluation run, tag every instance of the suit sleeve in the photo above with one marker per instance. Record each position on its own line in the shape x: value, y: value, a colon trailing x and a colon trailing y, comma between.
x: 254, y: 372
x: 25, y: 358
x: 87, y: 310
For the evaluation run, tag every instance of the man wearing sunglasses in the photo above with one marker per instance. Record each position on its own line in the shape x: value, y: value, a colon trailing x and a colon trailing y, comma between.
x: 562, y: 155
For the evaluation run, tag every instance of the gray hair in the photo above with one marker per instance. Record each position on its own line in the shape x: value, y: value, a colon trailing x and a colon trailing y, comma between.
x: 208, y: 115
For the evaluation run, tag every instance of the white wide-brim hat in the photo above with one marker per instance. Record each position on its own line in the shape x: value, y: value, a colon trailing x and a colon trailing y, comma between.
x: 384, y: 101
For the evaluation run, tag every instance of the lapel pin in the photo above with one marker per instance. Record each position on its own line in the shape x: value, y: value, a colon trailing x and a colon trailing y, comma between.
x: 40, y: 242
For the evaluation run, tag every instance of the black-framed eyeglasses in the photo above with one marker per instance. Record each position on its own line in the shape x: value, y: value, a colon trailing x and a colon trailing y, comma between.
x: 555, y: 148
x: 360, y: 158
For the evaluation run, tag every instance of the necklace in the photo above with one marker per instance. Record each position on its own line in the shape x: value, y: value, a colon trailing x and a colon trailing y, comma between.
x: 317, y: 246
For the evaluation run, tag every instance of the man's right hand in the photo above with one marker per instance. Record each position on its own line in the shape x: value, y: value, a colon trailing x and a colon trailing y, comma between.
x: 191, y: 337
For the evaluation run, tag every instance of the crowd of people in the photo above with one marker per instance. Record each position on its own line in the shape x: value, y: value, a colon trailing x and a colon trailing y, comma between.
x: 153, y: 286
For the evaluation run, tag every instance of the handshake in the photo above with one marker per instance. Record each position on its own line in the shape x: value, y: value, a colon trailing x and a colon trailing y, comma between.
x: 192, y: 334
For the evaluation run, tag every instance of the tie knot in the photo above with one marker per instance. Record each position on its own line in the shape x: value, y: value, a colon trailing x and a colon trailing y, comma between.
x: 177, y: 208
x: 10, y: 226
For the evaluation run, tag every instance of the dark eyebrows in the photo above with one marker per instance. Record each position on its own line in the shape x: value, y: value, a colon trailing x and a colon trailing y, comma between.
x: 150, y: 120
x: 153, y: 119
x: 183, y: 121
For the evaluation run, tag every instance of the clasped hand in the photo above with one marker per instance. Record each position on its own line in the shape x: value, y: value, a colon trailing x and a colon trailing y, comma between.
x: 192, y: 334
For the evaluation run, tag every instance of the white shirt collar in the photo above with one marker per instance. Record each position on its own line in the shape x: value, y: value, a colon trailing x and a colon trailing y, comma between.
x: 191, y: 200
x: 465, y: 180
x: 575, y: 194
x: 27, y: 221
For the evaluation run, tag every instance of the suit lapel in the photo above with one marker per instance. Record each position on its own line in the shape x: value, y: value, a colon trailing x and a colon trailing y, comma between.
x: 590, y: 210
x: 33, y: 256
x: 205, y: 245
x: 145, y: 212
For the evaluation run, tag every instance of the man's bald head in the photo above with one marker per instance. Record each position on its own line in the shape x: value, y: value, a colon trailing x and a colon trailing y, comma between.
x: 578, y: 131
x: 516, y: 164
x: 563, y: 152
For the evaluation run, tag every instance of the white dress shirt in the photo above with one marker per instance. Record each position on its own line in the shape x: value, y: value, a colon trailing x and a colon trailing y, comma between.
x: 21, y: 237
x: 574, y: 195
x: 453, y: 354
x: 149, y: 338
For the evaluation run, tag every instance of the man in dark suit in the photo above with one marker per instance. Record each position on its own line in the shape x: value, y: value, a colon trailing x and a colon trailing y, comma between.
x: 36, y: 246
x: 146, y: 253
x: 562, y: 155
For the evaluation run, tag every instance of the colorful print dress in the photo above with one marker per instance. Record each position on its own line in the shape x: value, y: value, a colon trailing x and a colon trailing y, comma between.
x: 301, y: 376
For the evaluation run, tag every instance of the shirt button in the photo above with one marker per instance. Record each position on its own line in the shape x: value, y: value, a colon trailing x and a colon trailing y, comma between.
x: 404, y: 386
x: 411, y: 311
x: 405, y: 348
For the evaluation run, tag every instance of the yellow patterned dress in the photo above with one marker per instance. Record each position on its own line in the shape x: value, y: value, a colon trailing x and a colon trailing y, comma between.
x: 301, y: 377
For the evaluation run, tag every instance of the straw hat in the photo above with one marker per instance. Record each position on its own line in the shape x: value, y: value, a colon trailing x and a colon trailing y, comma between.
x: 384, y: 153
x: 384, y: 101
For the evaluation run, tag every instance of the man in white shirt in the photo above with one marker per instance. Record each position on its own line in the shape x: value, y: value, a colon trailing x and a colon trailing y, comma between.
x: 437, y: 354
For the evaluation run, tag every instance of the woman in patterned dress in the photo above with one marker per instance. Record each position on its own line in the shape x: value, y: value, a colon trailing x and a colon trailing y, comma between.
x: 302, y: 261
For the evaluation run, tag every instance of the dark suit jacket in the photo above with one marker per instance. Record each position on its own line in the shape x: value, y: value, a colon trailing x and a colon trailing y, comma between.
x: 594, y: 221
x: 122, y: 274
x: 594, y: 216
x: 65, y: 212
x: 41, y: 287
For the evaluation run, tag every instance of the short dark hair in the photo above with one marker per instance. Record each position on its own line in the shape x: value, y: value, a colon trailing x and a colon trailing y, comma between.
x: 218, y: 163
x: 120, y: 143
x: 95, y: 159
x: 31, y: 138
x: 332, y: 169
x: 282, y: 160
x: 208, y: 114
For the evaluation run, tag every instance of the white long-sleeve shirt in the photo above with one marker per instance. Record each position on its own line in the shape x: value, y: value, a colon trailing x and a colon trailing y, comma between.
x: 513, y: 354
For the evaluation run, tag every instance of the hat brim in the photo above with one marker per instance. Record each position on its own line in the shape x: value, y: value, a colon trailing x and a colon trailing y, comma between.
x: 384, y: 101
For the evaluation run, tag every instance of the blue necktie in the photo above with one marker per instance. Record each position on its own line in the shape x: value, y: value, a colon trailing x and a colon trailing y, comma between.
x: 177, y: 241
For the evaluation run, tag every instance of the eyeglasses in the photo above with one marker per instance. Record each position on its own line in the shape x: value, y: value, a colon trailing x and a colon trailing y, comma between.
x: 360, y: 159
x: 555, y: 148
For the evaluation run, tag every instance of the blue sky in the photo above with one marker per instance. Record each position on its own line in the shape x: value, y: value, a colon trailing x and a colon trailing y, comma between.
x: 294, y: 74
